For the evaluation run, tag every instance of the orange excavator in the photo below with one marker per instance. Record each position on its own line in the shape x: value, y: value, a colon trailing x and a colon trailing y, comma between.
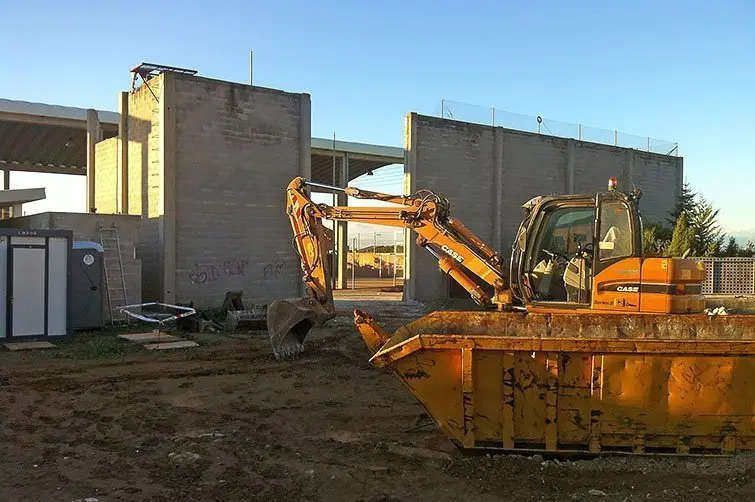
x: 575, y: 253
x: 579, y: 331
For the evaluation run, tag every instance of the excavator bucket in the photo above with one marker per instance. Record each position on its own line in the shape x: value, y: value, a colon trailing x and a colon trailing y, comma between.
x: 579, y: 383
x: 289, y: 322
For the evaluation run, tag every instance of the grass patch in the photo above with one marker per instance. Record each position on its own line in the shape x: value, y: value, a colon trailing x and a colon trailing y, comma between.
x: 95, y: 346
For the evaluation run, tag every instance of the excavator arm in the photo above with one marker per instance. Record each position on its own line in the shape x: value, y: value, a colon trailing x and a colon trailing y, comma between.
x: 458, y: 250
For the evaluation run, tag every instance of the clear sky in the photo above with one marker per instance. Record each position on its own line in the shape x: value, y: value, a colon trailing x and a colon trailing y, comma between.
x: 682, y: 71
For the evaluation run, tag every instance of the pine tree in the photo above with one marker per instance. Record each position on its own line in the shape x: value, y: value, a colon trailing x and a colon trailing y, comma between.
x: 655, y: 239
x: 685, y: 204
x: 683, y: 238
x: 732, y: 248
x: 703, y: 219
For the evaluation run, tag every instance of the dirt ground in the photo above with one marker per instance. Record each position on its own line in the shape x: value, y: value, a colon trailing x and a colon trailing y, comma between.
x: 100, y: 419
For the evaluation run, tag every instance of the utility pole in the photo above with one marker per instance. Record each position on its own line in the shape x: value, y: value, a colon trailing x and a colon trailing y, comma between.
x: 251, y: 67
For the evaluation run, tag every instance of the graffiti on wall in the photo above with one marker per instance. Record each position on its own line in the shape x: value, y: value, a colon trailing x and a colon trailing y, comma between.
x: 201, y: 274
x: 272, y: 271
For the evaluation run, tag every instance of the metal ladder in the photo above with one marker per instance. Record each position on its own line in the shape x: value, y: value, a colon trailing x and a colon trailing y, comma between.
x: 115, y: 281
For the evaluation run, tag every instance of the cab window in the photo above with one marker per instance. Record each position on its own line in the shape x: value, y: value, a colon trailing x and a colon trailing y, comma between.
x: 615, y: 230
x: 567, y: 228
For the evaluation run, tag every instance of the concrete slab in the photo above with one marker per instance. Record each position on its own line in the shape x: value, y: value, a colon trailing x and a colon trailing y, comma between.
x: 28, y: 345
x: 149, y: 337
x: 183, y: 344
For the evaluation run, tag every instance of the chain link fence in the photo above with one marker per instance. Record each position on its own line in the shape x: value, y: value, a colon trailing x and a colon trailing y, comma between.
x: 492, y: 116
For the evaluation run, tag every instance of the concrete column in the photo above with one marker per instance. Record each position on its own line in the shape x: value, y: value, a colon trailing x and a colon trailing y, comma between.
x: 570, y: 166
x: 168, y: 162
x: 17, y: 210
x: 305, y: 136
x: 498, y: 187
x: 342, y: 228
x: 305, y: 154
x: 410, y: 172
x: 94, y: 135
x: 123, y: 194
x: 5, y: 212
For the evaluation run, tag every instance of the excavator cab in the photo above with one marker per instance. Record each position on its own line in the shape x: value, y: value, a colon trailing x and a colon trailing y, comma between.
x: 565, y: 241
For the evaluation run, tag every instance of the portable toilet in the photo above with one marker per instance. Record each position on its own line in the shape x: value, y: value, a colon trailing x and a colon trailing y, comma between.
x: 87, y: 284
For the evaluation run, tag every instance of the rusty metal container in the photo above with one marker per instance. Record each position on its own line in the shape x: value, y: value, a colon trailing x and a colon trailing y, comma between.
x: 592, y: 383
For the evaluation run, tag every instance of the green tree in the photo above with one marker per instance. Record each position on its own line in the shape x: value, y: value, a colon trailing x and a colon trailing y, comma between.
x: 683, y: 238
x: 685, y: 204
x: 703, y: 219
x: 732, y: 248
x: 655, y: 239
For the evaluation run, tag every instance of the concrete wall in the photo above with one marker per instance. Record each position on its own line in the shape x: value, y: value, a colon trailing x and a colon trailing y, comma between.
x: 86, y: 227
x: 211, y: 160
x: 106, y: 175
x: 144, y: 143
x: 236, y: 148
x: 145, y: 179
x: 489, y: 172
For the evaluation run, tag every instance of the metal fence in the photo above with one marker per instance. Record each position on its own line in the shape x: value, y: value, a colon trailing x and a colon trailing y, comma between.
x: 729, y: 276
x: 455, y: 110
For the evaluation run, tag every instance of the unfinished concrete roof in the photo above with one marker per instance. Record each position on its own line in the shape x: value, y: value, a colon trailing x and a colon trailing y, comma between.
x: 47, y: 111
x: 9, y: 198
x: 363, y: 157
x: 45, y: 138
x: 38, y: 137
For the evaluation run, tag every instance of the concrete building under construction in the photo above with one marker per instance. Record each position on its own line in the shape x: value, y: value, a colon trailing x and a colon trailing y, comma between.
x: 192, y: 170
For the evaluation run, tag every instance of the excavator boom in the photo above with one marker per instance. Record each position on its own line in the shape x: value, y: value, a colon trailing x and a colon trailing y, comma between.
x: 458, y: 250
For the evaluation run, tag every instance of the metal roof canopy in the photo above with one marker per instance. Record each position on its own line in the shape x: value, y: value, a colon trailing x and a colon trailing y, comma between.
x: 39, y: 137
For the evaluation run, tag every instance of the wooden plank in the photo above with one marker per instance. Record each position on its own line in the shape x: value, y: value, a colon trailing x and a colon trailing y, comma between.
x: 596, y: 396
x: 151, y: 336
x: 507, y: 410
x: 183, y: 344
x: 467, y: 389
x: 551, y: 402
x: 14, y: 346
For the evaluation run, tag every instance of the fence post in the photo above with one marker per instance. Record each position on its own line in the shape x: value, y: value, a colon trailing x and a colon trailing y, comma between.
x: 580, y: 131
x: 615, y: 137
x: 493, y: 108
x: 648, y: 143
x: 442, y: 112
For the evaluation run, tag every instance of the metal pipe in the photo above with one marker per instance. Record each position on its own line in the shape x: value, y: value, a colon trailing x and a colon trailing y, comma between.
x: 324, y: 186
